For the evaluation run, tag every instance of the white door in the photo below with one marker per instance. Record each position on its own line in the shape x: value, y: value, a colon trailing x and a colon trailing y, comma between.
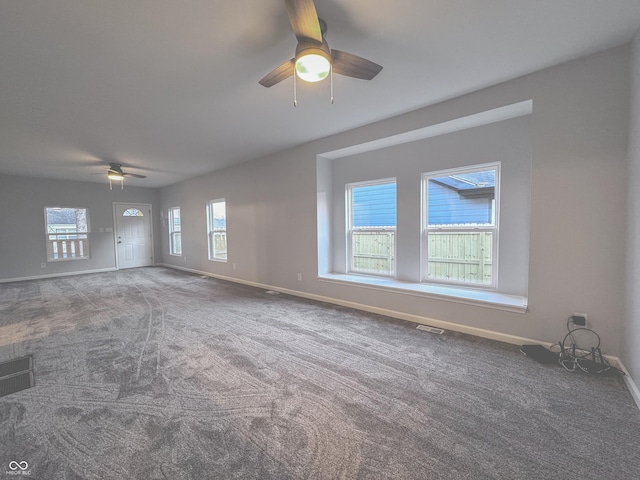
x: 134, y: 239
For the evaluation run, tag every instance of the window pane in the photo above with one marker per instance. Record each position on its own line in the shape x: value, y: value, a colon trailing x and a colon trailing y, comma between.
x: 461, y: 257
x: 372, y: 229
x: 66, y: 220
x: 462, y: 199
x: 374, y: 205
x: 217, y: 223
x: 373, y: 252
x: 67, y: 230
x: 178, y: 243
x: 219, y: 216
x: 461, y: 226
x: 175, y: 238
x: 175, y: 220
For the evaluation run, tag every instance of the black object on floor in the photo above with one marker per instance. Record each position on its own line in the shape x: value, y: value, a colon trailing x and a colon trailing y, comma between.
x: 16, y: 375
x: 540, y: 354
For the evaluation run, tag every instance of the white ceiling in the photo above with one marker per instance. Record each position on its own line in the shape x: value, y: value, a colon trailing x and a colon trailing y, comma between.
x: 170, y: 88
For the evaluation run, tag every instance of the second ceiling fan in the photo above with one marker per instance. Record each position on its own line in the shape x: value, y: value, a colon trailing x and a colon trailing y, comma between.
x: 115, y: 173
x: 314, y: 60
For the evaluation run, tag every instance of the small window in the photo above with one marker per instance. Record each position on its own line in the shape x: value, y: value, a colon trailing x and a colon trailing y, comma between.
x: 371, y: 227
x: 132, y: 212
x: 461, y: 225
x: 175, y: 232
x: 67, y: 233
x: 217, y: 229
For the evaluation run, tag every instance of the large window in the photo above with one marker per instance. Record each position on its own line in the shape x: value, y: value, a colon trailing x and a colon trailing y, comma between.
x: 371, y: 227
x: 460, y: 225
x: 217, y: 229
x: 175, y: 232
x: 67, y: 232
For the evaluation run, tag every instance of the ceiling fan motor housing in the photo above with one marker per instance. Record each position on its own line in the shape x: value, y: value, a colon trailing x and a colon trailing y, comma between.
x: 307, y: 47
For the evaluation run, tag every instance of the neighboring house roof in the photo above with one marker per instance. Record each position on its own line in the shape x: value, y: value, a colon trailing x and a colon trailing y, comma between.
x: 470, y: 185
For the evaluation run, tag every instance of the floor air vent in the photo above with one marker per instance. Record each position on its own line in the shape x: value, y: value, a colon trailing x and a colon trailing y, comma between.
x: 427, y: 328
x: 16, y: 375
x: 272, y: 292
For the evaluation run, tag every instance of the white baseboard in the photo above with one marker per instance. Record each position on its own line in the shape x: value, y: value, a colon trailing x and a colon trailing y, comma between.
x: 478, y: 332
x: 55, y: 275
x: 631, y: 385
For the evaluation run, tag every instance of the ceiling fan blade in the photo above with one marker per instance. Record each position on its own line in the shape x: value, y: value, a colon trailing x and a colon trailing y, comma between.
x: 278, y: 74
x: 353, y: 66
x: 133, y: 175
x: 304, y: 19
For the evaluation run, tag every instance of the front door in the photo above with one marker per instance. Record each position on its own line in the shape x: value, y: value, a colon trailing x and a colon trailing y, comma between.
x: 134, y: 238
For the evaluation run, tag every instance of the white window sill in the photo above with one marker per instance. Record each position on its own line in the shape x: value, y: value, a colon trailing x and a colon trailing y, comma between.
x: 480, y: 298
x: 68, y: 259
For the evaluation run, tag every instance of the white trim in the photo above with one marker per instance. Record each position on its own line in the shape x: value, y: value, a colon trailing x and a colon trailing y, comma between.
x: 211, y: 229
x: 350, y: 228
x: 170, y: 224
x: 488, y: 117
x: 115, y: 230
x: 54, y: 275
x: 448, y: 293
x: 479, y: 332
x: 48, y: 235
x: 628, y: 380
x: 494, y: 229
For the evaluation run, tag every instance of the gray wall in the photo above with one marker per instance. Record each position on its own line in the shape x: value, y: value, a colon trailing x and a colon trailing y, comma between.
x: 579, y: 129
x: 631, y: 336
x: 22, y: 236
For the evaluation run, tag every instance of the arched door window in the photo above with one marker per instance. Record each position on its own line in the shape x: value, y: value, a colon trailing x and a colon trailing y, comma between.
x: 132, y: 212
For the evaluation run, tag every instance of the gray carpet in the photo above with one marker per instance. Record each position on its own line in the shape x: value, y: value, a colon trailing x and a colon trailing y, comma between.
x: 157, y: 374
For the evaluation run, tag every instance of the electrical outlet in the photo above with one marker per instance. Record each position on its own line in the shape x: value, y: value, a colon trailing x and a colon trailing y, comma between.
x: 43, y: 265
x: 234, y: 266
x: 299, y: 277
x: 583, y: 315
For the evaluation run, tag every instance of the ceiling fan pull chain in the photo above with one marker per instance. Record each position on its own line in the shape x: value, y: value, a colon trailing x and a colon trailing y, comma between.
x: 295, y: 92
x: 331, y: 79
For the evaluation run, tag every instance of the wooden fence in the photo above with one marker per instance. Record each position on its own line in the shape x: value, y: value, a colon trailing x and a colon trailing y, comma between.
x: 219, y: 245
x: 373, y: 251
x: 460, y: 257
x: 464, y: 257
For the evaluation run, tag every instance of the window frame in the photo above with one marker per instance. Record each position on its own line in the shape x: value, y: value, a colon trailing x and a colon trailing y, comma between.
x: 494, y: 229
x: 81, y: 240
x: 350, y: 229
x: 173, y: 233
x: 212, y: 231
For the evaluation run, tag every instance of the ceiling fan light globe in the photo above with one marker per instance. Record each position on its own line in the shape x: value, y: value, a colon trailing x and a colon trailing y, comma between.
x: 115, y: 176
x: 312, y: 67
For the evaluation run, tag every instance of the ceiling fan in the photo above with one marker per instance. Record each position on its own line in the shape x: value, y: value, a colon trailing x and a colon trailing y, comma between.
x: 115, y: 174
x: 314, y: 60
